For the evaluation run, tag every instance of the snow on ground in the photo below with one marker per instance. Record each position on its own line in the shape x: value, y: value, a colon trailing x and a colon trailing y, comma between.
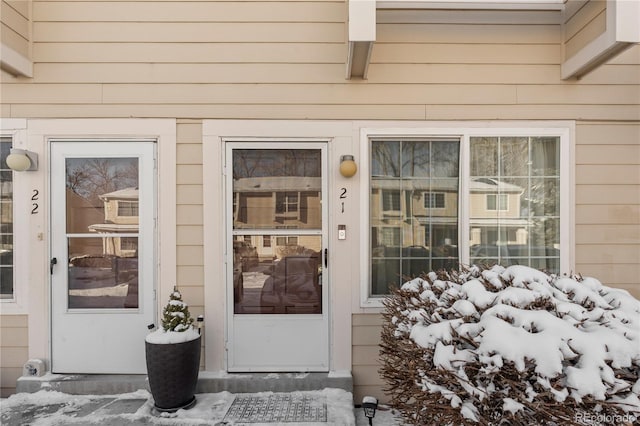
x: 52, y: 408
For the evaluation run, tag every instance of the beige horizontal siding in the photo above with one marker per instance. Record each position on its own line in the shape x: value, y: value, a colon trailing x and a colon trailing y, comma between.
x: 607, y: 211
x: 192, y: 53
x: 15, y: 26
x: 196, y: 32
x: 189, y: 218
x: 13, y: 351
x: 584, y: 26
x: 212, y: 11
x: 287, y: 60
x: 365, y: 356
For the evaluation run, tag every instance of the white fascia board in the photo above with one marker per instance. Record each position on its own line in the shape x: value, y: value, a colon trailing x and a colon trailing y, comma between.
x: 627, y: 13
x: 14, y: 63
x: 473, y: 4
x: 362, y: 20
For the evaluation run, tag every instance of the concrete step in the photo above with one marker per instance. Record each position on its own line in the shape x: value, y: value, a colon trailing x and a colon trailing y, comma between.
x: 208, y: 382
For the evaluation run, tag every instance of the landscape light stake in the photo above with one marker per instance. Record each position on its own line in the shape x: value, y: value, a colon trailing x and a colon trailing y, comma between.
x: 369, y: 405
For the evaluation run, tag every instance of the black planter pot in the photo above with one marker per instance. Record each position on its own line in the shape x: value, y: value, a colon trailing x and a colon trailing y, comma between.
x: 172, y: 370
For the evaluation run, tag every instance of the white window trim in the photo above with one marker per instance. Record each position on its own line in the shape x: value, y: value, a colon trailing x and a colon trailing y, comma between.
x: 465, y: 131
x: 16, y: 130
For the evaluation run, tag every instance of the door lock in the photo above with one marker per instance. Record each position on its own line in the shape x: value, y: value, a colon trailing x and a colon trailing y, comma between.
x: 52, y: 263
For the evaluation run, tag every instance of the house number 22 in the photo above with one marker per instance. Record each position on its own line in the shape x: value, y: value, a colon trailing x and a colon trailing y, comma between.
x: 34, y: 199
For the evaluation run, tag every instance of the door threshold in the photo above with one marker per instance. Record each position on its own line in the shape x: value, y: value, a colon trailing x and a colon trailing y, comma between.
x: 212, y: 382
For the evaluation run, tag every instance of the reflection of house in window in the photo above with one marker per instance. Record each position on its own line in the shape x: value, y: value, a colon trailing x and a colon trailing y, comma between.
x: 266, y: 201
x: 287, y: 204
x: 498, y: 202
x: 434, y: 200
x: 493, y: 199
x: 120, y: 217
x: 390, y: 200
x: 127, y: 208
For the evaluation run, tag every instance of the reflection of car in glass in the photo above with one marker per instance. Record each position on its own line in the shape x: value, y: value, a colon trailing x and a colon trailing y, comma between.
x: 293, y: 287
x: 238, y: 280
x: 103, y: 281
x: 245, y: 253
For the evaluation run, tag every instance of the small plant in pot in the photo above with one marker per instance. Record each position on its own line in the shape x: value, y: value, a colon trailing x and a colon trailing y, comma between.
x: 173, y: 357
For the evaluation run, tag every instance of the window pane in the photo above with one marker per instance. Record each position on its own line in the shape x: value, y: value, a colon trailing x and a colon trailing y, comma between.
x: 414, y: 215
x: 545, y: 156
x: 514, y: 214
x: 484, y: 156
x: 445, y: 158
x: 416, y: 159
x: 6, y: 222
x: 385, y: 158
x: 545, y: 197
x: 514, y: 157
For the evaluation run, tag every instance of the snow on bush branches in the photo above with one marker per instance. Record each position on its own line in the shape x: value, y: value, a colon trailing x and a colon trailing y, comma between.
x: 511, y: 346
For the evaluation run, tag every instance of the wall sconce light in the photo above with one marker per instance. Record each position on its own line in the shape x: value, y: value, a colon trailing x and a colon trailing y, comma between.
x: 370, y: 405
x: 348, y: 166
x: 21, y: 160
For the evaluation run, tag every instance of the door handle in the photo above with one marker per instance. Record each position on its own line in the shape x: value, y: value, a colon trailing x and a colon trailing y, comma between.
x: 52, y: 263
x: 326, y: 258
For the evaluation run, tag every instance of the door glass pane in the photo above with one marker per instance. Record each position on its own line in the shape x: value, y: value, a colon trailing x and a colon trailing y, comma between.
x: 102, y: 220
x: 277, y: 188
x: 277, y: 274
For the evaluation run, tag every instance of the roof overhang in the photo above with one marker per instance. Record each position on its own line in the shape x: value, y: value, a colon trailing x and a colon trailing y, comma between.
x: 362, y: 34
x: 622, y: 29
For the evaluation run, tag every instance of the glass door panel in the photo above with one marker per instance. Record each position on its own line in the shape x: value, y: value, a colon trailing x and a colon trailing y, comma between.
x: 277, y: 270
x: 102, y: 232
x: 280, y: 274
x: 277, y: 291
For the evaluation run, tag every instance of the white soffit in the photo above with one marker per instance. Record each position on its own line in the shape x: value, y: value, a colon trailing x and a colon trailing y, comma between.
x: 473, y: 4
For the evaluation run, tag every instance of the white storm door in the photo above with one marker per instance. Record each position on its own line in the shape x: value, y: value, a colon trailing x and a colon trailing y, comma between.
x: 277, y: 292
x: 102, y: 250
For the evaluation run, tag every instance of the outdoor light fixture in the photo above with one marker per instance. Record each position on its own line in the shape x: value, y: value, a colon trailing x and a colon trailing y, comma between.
x: 348, y: 166
x: 369, y: 405
x: 21, y: 160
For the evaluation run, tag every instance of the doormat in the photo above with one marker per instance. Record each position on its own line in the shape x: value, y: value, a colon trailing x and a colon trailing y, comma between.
x: 278, y: 408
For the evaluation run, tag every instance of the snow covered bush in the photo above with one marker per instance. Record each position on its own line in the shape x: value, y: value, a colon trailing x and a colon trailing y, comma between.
x: 490, y: 346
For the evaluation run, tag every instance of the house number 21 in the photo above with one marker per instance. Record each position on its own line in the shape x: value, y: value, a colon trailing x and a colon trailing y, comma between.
x: 343, y: 195
x: 34, y: 201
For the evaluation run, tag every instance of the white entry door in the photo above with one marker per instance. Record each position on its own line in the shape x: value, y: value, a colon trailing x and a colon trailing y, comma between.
x: 276, y: 249
x: 102, y: 255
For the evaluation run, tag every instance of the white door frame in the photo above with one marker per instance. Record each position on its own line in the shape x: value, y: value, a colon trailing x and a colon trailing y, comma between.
x: 342, y: 139
x: 277, y: 342
x: 38, y: 133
